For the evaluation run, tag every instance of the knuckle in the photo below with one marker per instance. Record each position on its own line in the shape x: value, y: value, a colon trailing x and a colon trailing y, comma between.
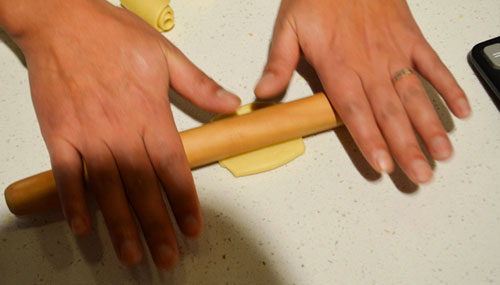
x: 102, y: 179
x: 71, y: 200
x: 185, y: 201
x: 414, y: 42
x: 277, y: 66
x: 389, y: 111
x: 458, y: 93
x: 122, y: 229
x: 163, y: 166
x: 411, y: 93
x: 351, y: 108
x: 203, y: 86
x: 435, y: 63
x: 380, y: 47
x: 137, y: 178
x: 413, y: 150
x: 103, y: 173
x: 171, y: 157
x: 159, y: 228
x: 61, y: 161
x: 136, y: 186
x: 206, y: 82
x: 419, y: 46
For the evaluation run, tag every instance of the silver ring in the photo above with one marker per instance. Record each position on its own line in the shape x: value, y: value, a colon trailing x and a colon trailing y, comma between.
x: 400, y: 74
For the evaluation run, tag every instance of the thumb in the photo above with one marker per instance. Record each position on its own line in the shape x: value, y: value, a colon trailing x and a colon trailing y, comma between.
x: 283, y: 59
x: 190, y: 82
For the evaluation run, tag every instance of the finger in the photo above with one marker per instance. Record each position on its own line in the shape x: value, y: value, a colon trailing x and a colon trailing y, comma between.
x: 145, y: 197
x: 195, y: 85
x: 422, y: 114
x: 104, y: 181
x: 347, y: 96
x: 432, y: 68
x: 283, y: 58
x: 171, y: 166
x: 396, y: 128
x: 68, y: 174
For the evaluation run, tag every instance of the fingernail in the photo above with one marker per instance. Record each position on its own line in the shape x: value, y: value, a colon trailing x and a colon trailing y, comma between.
x: 267, y: 78
x: 441, y: 148
x: 130, y: 252
x: 165, y: 256
x: 225, y: 95
x: 383, y: 160
x: 77, y: 225
x: 463, y: 108
x: 191, y: 226
x: 421, y: 171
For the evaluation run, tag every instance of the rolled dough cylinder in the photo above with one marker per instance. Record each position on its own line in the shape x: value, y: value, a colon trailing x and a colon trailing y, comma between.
x: 157, y: 13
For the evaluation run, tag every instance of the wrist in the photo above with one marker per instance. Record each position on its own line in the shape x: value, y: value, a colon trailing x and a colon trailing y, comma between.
x: 25, y: 20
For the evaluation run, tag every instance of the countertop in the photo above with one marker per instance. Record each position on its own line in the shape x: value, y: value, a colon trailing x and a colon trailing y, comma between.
x: 324, y: 218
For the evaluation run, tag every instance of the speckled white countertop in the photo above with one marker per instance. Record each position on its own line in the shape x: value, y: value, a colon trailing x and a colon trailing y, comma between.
x: 325, y: 218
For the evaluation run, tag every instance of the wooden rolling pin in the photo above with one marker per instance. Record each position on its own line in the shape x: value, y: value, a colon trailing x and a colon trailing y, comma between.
x: 204, y: 145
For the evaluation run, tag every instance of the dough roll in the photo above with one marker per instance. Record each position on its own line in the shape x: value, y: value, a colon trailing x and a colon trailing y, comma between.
x: 157, y: 13
x: 206, y: 144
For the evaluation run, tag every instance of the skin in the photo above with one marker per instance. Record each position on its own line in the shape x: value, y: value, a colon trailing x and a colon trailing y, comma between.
x: 100, y: 93
x: 357, y: 47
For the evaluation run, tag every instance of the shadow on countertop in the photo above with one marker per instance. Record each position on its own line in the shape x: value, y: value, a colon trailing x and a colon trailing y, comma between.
x: 12, y: 46
x: 224, y: 253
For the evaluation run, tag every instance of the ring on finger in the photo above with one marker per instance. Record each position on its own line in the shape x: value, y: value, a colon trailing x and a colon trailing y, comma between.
x: 402, y: 74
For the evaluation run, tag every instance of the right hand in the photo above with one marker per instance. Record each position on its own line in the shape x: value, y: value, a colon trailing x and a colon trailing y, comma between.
x: 99, y: 80
x: 357, y: 47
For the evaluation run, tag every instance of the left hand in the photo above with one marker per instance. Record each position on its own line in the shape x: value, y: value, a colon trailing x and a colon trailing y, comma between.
x: 100, y: 94
x: 357, y: 47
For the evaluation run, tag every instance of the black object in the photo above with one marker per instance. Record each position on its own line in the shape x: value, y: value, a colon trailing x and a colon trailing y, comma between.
x: 485, y: 59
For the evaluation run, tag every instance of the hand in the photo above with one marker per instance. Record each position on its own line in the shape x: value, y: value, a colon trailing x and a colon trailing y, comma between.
x: 357, y: 47
x: 99, y: 80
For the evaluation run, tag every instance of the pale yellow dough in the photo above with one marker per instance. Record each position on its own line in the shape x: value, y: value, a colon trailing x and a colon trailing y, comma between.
x: 157, y: 13
x: 263, y: 159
